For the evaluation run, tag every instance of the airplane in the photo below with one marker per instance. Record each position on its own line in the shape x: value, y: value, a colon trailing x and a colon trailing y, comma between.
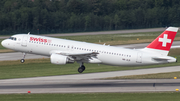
x: 63, y: 51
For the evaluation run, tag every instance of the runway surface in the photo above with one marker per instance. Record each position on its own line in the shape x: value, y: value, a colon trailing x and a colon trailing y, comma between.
x: 91, y: 86
x: 92, y: 82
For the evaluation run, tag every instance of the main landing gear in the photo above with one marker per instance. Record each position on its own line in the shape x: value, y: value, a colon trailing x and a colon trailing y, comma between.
x: 22, y: 60
x: 81, y: 69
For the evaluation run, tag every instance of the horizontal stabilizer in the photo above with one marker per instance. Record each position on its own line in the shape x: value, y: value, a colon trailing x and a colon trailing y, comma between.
x: 164, y: 59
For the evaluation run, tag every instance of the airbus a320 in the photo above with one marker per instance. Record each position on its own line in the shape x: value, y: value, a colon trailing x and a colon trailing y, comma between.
x: 62, y: 51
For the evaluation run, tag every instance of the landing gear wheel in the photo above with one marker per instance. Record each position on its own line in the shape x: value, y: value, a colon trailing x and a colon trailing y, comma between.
x: 22, y: 60
x: 81, y: 69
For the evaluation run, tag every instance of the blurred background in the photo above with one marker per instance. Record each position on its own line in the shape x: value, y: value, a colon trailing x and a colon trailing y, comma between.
x: 61, y: 16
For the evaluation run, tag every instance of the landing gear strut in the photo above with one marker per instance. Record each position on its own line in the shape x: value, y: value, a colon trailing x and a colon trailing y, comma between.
x: 22, y: 60
x: 81, y: 68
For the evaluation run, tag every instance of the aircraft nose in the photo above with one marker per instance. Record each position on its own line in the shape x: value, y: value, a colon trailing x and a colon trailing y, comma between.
x: 4, y: 43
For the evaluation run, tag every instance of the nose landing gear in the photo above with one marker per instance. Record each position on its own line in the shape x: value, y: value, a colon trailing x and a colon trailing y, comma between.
x: 22, y: 60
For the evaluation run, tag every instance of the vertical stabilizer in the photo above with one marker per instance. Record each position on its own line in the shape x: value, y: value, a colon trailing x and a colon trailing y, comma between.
x: 163, y: 42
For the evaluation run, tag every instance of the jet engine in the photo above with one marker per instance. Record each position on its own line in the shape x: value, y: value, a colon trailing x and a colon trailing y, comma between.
x: 60, y: 59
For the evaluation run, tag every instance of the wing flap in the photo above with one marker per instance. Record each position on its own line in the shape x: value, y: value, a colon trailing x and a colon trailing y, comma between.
x: 77, y: 55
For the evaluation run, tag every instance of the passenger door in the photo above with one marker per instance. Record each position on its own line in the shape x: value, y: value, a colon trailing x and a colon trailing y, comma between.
x: 139, y: 57
x: 24, y: 41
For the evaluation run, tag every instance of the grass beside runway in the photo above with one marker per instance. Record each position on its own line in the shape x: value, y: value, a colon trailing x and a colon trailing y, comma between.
x: 165, y: 96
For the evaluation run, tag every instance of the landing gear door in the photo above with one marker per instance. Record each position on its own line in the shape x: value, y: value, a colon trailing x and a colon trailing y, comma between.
x: 139, y: 58
x: 24, y: 41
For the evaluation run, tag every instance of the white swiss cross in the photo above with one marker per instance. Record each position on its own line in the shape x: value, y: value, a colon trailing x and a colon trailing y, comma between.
x: 164, y: 40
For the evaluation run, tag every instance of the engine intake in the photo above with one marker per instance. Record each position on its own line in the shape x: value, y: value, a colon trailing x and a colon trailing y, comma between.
x: 60, y: 59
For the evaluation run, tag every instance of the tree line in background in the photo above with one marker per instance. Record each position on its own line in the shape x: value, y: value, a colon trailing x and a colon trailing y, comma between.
x: 57, y: 16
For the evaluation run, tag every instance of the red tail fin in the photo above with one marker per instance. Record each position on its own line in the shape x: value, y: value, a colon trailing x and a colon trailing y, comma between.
x: 164, y: 41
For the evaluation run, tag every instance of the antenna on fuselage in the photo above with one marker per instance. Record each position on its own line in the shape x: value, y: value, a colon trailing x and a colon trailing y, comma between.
x: 28, y: 33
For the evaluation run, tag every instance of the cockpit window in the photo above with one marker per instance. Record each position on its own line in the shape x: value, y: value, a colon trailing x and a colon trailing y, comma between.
x: 13, y: 38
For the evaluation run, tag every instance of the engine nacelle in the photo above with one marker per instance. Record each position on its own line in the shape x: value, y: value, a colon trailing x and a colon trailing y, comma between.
x: 60, y: 59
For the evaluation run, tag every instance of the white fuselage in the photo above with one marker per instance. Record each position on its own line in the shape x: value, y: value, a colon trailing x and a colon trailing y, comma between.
x: 106, y: 54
